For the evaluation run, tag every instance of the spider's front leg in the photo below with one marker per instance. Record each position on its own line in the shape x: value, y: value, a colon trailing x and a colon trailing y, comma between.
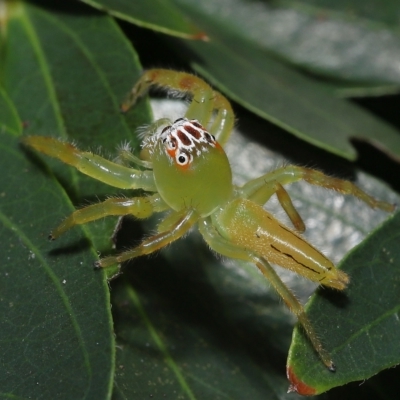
x: 205, y: 101
x: 139, y: 207
x: 93, y: 165
x: 184, y: 220
x: 230, y: 249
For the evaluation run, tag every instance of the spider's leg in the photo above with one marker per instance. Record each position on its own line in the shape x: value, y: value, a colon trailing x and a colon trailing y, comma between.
x: 93, y: 165
x: 297, y: 309
x: 264, y: 193
x: 224, y: 118
x: 264, y: 187
x: 155, y: 242
x: 205, y: 101
x: 140, y: 207
x: 126, y: 156
x: 226, y: 248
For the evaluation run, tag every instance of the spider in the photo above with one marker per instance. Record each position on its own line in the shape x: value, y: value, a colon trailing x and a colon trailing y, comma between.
x: 184, y: 170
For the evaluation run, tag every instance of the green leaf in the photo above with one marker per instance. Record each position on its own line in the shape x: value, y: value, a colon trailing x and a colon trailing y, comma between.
x: 76, y: 83
x: 55, y: 335
x: 9, y: 119
x: 330, y: 38
x: 345, y: 40
x: 383, y: 11
x: 64, y: 72
x: 282, y: 95
x: 360, y: 326
x: 187, y: 324
x: 161, y: 16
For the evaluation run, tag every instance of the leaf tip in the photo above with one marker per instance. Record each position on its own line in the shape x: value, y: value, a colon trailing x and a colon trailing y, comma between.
x: 298, y: 386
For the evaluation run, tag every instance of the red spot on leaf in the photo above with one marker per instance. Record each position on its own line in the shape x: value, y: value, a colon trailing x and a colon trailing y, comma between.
x: 201, y: 36
x: 297, y: 385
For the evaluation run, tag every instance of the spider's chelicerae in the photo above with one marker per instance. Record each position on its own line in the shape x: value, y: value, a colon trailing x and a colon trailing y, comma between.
x: 184, y: 170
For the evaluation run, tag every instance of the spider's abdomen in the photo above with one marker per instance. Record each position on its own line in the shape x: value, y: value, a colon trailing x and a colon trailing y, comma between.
x: 191, y: 170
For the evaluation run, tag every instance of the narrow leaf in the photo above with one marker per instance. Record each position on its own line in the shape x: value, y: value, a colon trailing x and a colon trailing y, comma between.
x: 331, y: 38
x: 285, y: 97
x: 384, y: 11
x: 161, y: 16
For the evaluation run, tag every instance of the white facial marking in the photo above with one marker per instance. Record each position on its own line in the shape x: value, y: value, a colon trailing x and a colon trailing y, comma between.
x: 183, y: 139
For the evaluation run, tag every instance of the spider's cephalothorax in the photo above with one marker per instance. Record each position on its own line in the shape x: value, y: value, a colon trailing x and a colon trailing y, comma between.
x: 187, y: 172
x: 184, y: 154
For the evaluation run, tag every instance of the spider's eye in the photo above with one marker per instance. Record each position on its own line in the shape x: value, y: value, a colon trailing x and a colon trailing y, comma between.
x: 166, y: 128
x: 183, y: 159
x: 171, y: 143
x: 210, y: 138
x: 196, y: 123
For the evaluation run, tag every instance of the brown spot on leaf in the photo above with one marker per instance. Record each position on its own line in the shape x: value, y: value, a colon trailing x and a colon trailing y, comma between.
x: 296, y: 385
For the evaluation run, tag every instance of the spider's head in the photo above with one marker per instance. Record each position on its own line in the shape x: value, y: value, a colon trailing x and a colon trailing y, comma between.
x: 190, y: 168
x: 184, y: 141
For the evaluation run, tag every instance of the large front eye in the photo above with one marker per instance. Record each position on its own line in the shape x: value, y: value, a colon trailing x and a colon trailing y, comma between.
x: 183, y: 159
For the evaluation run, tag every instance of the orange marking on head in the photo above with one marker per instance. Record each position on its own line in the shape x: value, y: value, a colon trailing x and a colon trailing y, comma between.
x: 153, y: 75
x: 218, y: 146
x: 186, y: 83
x: 296, y: 385
x: 183, y: 167
x: 171, y: 152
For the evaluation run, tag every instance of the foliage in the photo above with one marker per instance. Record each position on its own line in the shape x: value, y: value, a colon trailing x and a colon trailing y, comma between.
x: 187, y: 324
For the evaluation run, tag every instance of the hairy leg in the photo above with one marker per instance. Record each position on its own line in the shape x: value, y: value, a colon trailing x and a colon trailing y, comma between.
x: 140, y: 207
x: 265, y: 186
x: 226, y: 248
x: 284, y: 200
x: 154, y: 243
x: 205, y: 101
x: 93, y: 165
